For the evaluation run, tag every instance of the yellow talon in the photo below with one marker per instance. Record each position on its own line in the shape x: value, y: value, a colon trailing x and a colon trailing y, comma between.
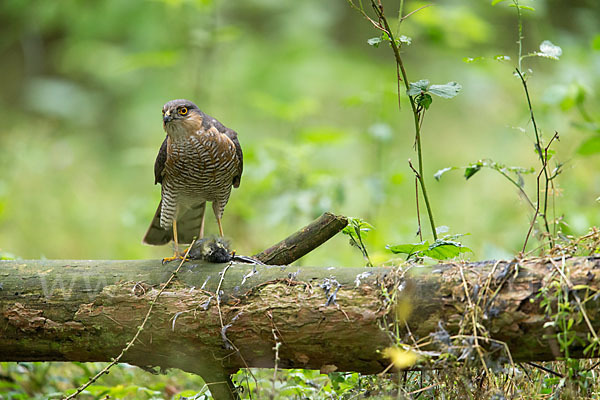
x: 169, y: 259
x: 176, y: 256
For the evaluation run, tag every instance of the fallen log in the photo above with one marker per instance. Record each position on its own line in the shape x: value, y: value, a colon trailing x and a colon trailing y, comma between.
x: 216, y: 318
x: 88, y: 310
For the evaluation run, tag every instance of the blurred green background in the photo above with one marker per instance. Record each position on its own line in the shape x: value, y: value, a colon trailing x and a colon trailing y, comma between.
x: 82, y: 85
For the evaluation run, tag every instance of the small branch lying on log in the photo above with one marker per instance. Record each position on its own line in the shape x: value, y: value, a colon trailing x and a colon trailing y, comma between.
x: 304, y: 241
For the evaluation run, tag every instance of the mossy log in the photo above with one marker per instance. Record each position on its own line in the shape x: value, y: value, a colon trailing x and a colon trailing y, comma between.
x: 216, y: 318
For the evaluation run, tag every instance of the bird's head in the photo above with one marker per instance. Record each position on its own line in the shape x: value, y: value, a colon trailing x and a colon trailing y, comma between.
x: 180, y: 116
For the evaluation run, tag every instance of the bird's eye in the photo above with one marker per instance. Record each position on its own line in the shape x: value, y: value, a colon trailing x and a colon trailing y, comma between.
x: 183, y: 111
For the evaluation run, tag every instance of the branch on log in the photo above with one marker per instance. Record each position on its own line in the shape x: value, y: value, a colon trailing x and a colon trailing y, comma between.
x: 304, y: 241
x: 325, y: 318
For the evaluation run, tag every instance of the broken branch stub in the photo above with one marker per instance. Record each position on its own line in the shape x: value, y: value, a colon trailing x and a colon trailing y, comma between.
x: 303, y: 241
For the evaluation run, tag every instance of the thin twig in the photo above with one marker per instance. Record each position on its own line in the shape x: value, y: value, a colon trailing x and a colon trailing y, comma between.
x: 363, y: 12
x: 473, y: 321
x: 487, y: 283
x: 537, y: 206
x: 386, y: 370
x: 218, y: 297
x: 415, y: 11
x: 577, y: 299
x: 417, y: 199
x: 276, y: 348
x: 378, y: 7
x: 511, y: 180
x: 548, y: 370
x: 543, y: 155
x: 422, y: 389
x: 593, y: 366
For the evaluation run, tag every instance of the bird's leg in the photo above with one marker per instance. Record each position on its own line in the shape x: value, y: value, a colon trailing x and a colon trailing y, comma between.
x: 220, y: 227
x: 218, y: 210
x: 201, y: 235
x: 175, y: 245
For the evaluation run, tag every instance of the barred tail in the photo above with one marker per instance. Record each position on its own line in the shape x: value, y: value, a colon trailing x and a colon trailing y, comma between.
x: 157, y: 235
x: 189, y: 223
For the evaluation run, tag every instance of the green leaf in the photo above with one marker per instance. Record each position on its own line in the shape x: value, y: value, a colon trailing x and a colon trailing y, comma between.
x: 415, y: 88
x: 445, y: 249
x: 549, y: 50
x: 424, y: 100
x: 357, y: 224
x: 454, y: 237
x: 447, y: 91
x: 439, y: 173
x: 472, y: 170
x: 522, y: 7
x: 494, y: 2
x: 501, y: 57
x: 409, y: 248
x: 374, y: 41
x: 405, y: 39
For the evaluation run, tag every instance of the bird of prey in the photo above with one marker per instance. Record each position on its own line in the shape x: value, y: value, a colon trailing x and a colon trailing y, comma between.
x: 199, y: 161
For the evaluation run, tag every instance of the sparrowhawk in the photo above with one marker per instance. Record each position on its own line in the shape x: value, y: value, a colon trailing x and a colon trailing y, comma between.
x: 199, y: 161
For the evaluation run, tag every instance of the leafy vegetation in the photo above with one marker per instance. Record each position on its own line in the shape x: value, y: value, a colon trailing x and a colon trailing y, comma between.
x: 324, y: 114
x: 441, y: 249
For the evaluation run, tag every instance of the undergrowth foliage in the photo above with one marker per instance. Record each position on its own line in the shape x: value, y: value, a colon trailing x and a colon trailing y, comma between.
x: 545, y: 187
x: 419, y: 93
x: 420, y: 98
x: 481, y: 366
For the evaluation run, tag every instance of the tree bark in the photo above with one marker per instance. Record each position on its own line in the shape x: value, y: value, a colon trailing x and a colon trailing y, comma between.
x: 327, y: 318
x: 88, y: 310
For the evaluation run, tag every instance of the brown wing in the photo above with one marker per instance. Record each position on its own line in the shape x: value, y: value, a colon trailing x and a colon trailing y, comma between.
x: 207, y: 122
x: 240, y: 156
x: 159, y: 164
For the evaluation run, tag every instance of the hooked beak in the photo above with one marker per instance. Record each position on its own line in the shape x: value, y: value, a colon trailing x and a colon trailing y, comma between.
x: 167, y: 117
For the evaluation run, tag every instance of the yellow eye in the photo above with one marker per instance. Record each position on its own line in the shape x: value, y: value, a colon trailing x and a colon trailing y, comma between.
x: 183, y: 111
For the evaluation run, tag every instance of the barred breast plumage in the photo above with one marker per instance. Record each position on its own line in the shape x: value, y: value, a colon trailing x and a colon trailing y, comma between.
x: 200, y: 160
x: 201, y: 167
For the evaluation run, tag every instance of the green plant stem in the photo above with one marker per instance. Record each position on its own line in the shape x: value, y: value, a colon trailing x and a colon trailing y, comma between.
x: 379, y: 11
x: 537, y: 207
x: 400, y: 14
x: 511, y: 180
x: 363, y: 248
x: 536, y: 212
x: 538, y: 143
x: 520, y: 40
x: 543, y: 159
